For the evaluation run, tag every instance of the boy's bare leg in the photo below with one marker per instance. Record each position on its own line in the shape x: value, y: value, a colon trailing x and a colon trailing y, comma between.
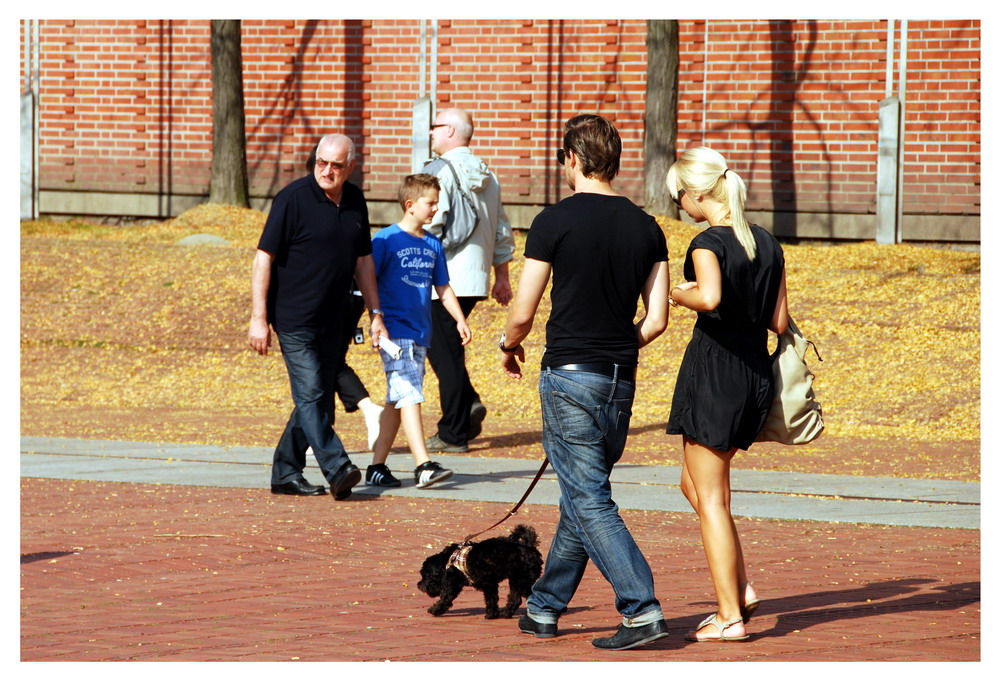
x: 388, y: 428
x: 413, y: 428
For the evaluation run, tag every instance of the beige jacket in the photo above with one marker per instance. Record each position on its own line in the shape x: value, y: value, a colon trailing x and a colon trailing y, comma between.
x: 471, y: 257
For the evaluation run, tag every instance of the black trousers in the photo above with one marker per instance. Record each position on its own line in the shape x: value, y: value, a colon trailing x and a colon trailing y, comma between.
x: 447, y: 359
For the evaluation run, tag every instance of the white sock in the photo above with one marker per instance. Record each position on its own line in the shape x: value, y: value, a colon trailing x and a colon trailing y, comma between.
x: 373, y: 414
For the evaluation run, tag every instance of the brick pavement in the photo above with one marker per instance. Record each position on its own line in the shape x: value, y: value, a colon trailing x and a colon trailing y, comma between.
x: 152, y: 572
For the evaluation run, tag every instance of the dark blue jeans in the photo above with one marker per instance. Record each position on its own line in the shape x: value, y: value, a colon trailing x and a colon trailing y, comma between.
x: 585, y: 419
x: 313, y: 360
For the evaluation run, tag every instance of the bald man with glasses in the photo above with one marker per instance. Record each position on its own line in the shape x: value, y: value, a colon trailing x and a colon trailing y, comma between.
x: 473, y: 249
x: 315, y: 243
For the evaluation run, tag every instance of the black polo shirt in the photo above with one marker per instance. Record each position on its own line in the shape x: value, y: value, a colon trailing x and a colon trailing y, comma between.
x: 315, y: 245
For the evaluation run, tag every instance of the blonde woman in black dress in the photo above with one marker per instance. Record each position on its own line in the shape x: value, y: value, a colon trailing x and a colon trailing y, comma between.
x: 736, y: 284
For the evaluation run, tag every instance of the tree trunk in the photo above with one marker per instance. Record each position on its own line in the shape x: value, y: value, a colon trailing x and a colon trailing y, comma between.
x: 660, y: 144
x: 229, y: 156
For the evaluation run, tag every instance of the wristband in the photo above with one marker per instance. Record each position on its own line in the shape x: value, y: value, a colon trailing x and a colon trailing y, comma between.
x: 502, y: 344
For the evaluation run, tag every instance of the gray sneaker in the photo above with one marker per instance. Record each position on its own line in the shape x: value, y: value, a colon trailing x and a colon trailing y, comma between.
x: 435, y: 444
x: 477, y: 413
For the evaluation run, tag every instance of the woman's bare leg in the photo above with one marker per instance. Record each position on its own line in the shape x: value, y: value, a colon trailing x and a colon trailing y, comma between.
x: 709, y: 474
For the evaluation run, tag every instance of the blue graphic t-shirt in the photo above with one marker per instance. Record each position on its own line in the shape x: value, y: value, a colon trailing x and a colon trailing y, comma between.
x: 407, y: 267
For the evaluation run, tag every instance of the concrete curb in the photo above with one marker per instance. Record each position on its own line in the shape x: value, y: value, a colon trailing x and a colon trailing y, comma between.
x: 760, y: 494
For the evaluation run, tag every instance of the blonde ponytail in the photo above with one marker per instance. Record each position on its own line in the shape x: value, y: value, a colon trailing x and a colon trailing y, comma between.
x: 736, y: 190
x: 703, y: 171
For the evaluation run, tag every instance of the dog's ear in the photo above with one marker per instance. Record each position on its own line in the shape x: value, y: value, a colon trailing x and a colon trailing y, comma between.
x: 432, y: 571
x: 432, y: 575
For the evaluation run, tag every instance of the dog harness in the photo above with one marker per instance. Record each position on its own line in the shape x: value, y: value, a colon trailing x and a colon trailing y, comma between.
x: 460, y: 558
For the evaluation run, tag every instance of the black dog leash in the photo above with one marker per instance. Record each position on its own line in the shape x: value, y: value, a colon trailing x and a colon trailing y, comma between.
x: 541, y: 470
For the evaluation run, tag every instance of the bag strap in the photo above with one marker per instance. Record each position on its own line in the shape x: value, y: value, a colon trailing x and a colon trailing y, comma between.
x: 815, y: 350
x: 458, y: 180
x: 794, y: 329
x: 517, y: 506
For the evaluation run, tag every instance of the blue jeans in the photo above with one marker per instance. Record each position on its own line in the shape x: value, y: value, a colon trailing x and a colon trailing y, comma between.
x: 313, y: 360
x: 585, y: 419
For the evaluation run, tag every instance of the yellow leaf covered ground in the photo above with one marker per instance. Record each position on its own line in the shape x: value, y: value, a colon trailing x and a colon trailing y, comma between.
x: 125, y: 334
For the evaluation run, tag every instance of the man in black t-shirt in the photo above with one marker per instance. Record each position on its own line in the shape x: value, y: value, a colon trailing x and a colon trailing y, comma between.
x: 316, y: 241
x: 602, y: 253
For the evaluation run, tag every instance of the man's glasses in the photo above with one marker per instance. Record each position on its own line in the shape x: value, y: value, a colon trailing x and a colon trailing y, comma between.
x: 322, y: 165
x: 561, y: 156
x: 677, y: 199
x: 439, y: 125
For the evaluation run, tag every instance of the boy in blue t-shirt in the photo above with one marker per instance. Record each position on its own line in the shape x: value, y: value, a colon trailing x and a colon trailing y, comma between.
x: 408, y: 262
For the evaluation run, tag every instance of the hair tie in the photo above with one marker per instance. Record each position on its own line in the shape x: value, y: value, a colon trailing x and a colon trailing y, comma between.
x: 724, y: 172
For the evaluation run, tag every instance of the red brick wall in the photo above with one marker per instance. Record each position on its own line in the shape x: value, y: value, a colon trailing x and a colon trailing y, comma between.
x: 125, y: 106
x: 793, y: 105
x: 943, y: 111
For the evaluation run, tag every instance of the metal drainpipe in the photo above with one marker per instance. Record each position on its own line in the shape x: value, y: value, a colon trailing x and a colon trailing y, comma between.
x: 434, y: 64
x: 889, y: 56
x: 423, y: 58
x: 32, y: 47
x: 704, y: 93
x: 902, y: 125
x: 37, y: 86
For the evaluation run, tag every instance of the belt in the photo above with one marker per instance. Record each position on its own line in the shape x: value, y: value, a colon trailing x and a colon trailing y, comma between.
x: 604, y: 368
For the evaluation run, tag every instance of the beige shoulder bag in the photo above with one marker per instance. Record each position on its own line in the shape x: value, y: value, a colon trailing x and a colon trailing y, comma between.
x: 795, y: 416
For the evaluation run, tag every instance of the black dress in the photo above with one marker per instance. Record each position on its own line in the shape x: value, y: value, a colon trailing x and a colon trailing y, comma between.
x: 724, y: 385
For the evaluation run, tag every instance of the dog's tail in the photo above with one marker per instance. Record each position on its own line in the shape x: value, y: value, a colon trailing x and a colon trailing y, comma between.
x: 525, y: 535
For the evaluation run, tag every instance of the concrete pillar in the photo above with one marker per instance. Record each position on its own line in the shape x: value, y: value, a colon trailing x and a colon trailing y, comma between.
x: 421, y: 132
x: 886, y: 210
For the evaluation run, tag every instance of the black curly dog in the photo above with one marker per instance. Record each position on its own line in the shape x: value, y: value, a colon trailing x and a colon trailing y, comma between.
x: 515, y: 559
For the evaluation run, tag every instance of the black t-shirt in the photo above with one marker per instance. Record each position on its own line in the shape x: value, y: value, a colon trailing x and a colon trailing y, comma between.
x: 602, y: 249
x: 316, y: 245
x: 749, y: 288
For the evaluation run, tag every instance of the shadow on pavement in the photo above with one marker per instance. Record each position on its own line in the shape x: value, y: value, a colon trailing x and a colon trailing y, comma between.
x: 873, y: 600
x: 43, y: 556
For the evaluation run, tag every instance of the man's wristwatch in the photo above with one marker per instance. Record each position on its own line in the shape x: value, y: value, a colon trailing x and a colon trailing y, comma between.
x: 503, y: 344
x: 375, y: 311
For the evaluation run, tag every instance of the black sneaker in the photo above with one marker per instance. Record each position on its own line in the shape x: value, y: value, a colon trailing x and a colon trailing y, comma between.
x: 530, y: 626
x: 379, y: 474
x: 430, y: 473
x: 626, y: 638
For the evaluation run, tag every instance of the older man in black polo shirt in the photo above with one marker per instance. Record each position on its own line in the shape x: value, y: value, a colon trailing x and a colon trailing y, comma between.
x: 316, y: 240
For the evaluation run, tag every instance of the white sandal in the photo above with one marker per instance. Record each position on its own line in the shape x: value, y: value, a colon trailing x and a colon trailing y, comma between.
x: 714, y: 620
